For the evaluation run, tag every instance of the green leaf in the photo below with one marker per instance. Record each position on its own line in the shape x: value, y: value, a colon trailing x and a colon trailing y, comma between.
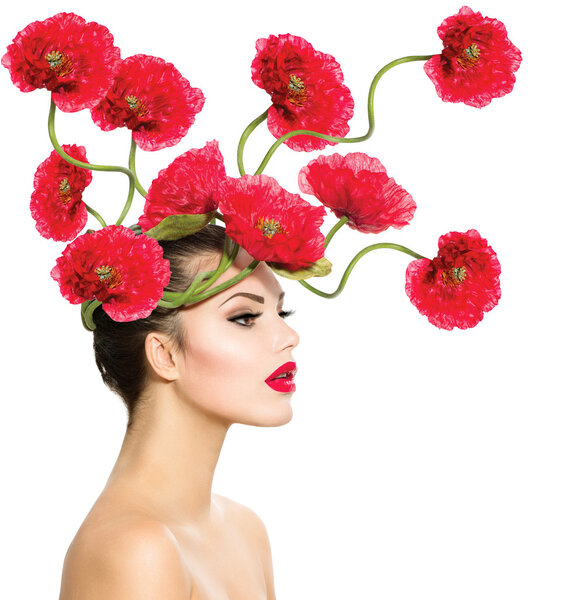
x: 176, y: 227
x: 320, y: 268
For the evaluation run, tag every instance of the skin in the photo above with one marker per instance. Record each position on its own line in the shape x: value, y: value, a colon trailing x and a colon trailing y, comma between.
x: 157, y: 530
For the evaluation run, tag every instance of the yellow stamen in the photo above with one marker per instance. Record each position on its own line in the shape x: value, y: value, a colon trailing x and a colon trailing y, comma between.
x: 59, y: 63
x: 269, y: 227
x: 108, y: 276
x: 297, y: 93
x: 454, y: 277
x: 469, y: 57
x: 136, y: 105
x: 64, y: 193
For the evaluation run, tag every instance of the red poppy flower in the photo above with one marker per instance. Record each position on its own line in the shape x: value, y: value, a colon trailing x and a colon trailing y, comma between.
x: 357, y: 186
x: 127, y: 273
x: 457, y: 287
x: 478, y: 61
x: 186, y: 186
x: 272, y: 224
x: 76, y: 61
x: 150, y: 97
x: 306, y: 87
x: 56, y: 202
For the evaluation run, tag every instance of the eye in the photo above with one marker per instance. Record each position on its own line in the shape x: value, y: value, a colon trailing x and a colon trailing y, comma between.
x: 248, y: 319
x: 245, y: 317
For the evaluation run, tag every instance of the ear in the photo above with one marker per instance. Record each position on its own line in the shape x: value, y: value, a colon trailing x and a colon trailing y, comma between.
x: 161, y: 355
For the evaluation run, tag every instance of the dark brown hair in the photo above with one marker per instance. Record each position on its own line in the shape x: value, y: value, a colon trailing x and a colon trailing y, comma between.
x: 119, y: 348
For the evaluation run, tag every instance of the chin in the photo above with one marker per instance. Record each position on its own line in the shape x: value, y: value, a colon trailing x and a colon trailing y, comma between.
x: 278, y: 414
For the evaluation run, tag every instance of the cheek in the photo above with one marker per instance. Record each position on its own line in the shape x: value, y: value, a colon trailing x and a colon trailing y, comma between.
x: 223, y: 363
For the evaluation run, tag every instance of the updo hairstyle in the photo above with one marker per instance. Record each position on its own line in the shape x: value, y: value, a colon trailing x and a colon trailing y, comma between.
x: 119, y: 348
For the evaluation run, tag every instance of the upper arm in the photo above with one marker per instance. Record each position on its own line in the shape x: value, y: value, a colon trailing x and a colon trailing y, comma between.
x: 140, y: 561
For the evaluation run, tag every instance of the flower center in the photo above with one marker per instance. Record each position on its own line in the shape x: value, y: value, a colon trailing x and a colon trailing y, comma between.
x: 108, y: 276
x: 454, y: 277
x: 136, y: 105
x: 269, y: 227
x: 297, y: 93
x: 64, y: 194
x: 59, y: 63
x: 469, y: 57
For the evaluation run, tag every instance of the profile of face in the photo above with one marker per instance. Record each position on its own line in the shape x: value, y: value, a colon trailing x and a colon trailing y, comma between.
x: 233, y: 343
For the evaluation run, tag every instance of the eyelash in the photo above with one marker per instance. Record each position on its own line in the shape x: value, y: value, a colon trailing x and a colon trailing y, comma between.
x: 283, y: 314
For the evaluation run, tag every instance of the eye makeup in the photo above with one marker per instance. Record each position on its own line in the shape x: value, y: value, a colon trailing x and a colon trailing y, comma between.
x: 248, y: 316
x: 244, y: 317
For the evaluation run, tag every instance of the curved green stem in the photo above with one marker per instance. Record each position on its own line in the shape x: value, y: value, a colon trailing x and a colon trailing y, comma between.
x: 132, y: 155
x: 167, y: 303
x: 223, y: 286
x: 74, y: 161
x: 352, y: 265
x: 132, y: 185
x: 227, y: 260
x: 88, y: 309
x: 248, y: 131
x: 219, y: 288
x: 330, y: 138
x: 176, y: 299
x: 95, y: 214
x: 90, y: 166
x: 336, y: 228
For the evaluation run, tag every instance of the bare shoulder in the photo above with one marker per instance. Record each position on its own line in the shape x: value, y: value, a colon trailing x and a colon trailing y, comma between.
x: 253, y: 528
x: 132, y: 558
x: 245, y: 518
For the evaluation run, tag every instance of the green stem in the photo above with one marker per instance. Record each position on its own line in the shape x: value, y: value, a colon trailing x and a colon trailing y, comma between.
x: 95, y: 214
x: 226, y: 261
x: 219, y: 288
x: 89, y: 166
x: 176, y: 299
x: 248, y: 131
x: 336, y: 228
x: 223, y: 286
x: 88, y: 309
x: 352, y: 265
x: 132, y: 185
x: 330, y: 138
x: 132, y: 155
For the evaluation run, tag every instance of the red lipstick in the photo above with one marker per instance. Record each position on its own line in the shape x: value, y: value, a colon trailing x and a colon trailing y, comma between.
x: 282, y: 379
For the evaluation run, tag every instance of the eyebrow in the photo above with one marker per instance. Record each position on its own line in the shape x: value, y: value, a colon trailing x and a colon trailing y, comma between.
x: 255, y: 297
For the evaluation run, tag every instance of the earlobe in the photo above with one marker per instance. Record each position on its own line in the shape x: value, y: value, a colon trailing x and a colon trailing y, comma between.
x: 160, y: 353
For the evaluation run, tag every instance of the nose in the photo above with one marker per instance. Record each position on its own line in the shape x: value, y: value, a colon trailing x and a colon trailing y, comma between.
x: 287, y: 338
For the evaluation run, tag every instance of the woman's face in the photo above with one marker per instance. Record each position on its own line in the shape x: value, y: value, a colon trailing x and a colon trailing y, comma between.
x: 233, y: 342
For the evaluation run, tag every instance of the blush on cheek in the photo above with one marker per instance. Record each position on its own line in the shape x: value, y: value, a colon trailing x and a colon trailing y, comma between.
x: 220, y: 356
x: 222, y: 367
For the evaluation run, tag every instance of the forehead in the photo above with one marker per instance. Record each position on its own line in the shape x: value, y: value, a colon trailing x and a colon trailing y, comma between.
x: 260, y: 282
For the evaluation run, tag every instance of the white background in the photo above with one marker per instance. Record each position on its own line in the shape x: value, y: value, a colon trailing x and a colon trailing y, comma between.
x: 420, y: 464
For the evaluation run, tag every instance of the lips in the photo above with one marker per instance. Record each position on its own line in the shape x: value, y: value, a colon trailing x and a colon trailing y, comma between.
x: 282, y: 379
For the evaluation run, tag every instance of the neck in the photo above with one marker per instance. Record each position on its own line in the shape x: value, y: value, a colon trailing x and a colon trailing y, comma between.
x: 168, y: 457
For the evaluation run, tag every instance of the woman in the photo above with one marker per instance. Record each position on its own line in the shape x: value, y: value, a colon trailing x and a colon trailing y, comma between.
x: 157, y: 530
